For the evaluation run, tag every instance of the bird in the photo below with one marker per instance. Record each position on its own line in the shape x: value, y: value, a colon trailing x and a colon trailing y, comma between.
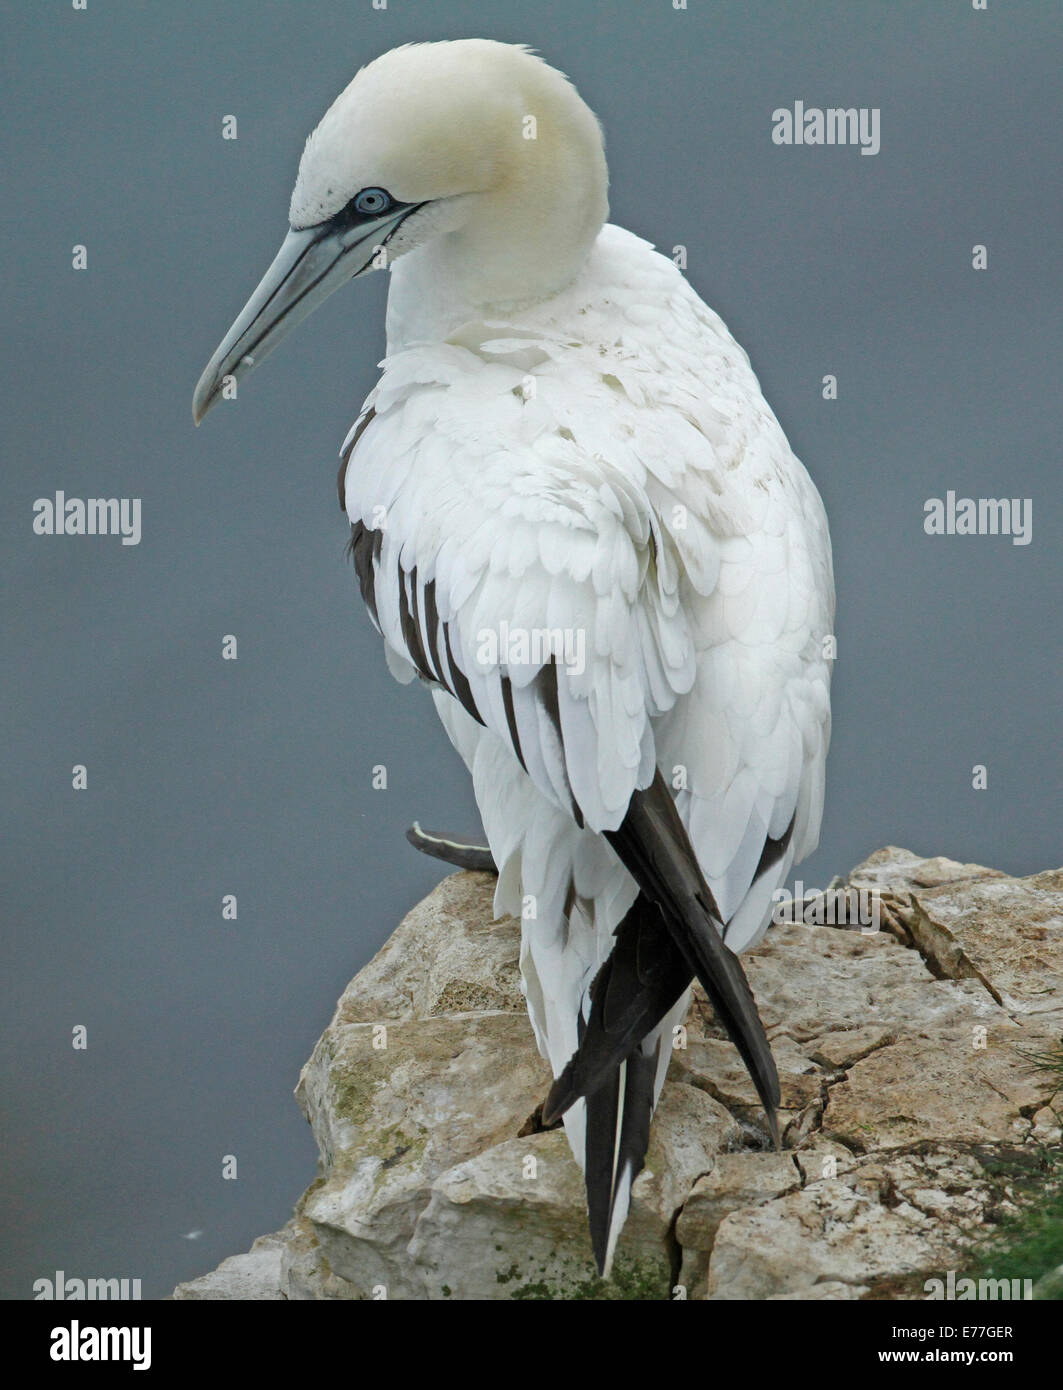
x: 576, y: 520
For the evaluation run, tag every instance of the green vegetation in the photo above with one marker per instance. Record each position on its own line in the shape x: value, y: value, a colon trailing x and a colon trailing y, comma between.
x: 1029, y: 1243
x: 633, y: 1280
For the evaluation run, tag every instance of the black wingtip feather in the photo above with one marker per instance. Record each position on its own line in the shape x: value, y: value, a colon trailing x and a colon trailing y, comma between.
x: 773, y: 1129
x: 599, y: 1153
x: 653, y: 845
x: 643, y: 977
x: 618, y: 1135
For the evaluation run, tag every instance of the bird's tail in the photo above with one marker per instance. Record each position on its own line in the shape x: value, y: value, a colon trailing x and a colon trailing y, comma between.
x: 618, y: 1133
x: 653, y: 845
x: 616, y: 1067
x: 671, y: 934
x: 641, y: 980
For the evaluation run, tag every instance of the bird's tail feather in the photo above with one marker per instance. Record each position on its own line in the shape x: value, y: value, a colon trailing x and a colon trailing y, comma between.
x: 643, y: 977
x: 618, y: 1133
x: 653, y: 845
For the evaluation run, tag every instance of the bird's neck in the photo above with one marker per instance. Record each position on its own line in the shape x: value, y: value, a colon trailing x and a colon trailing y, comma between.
x: 432, y: 295
x: 521, y: 246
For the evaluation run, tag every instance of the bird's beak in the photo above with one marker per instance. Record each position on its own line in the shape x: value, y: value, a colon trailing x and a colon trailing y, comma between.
x: 311, y: 263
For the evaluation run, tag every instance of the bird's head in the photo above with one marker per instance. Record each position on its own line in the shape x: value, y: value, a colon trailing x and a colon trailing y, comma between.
x: 476, y: 149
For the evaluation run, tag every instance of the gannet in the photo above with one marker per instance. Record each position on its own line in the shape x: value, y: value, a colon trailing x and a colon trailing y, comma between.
x: 575, y: 518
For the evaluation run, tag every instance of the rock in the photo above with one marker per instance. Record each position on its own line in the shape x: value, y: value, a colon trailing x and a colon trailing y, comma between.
x: 512, y: 1220
x: 735, y: 1182
x: 1050, y: 1285
x: 883, y: 1218
x: 822, y: 1158
x: 714, y: 1066
x: 391, y: 1120
x: 899, y: 870
x: 305, y: 1272
x: 840, y: 1050
x: 446, y: 956
x: 1007, y: 933
x: 811, y: 982
x: 907, y: 1063
x: 825, y: 1290
x: 254, y: 1276
x: 972, y: 922
x: 1047, y: 1126
x: 982, y: 1089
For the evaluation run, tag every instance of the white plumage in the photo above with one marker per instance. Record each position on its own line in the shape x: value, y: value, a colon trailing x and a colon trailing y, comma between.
x: 592, y: 459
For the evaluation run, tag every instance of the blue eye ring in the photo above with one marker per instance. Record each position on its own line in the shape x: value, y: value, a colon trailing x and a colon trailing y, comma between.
x: 372, y: 202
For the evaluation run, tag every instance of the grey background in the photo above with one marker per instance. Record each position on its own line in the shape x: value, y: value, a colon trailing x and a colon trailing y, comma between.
x: 209, y: 777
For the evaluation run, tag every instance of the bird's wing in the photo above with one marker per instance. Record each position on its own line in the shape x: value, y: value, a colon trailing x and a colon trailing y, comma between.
x: 531, y: 578
x: 745, y: 750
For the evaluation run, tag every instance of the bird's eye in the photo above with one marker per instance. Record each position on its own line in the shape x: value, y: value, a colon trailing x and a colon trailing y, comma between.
x: 371, y: 202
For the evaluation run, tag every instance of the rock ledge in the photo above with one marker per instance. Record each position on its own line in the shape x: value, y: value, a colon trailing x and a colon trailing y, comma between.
x: 907, y: 1086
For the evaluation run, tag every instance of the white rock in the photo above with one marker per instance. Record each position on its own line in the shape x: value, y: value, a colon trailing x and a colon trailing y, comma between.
x: 254, y: 1276
x: 899, y: 1075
